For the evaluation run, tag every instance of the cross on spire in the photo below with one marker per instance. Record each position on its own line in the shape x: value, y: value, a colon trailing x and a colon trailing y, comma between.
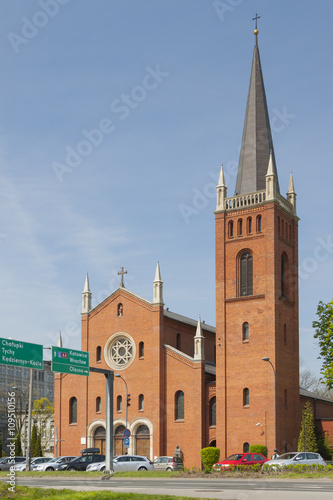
x: 256, y: 19
x: 122, y: 272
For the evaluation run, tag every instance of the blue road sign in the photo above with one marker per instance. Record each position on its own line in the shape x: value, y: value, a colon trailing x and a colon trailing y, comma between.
x: 126, y: 442
x: 127, y: 433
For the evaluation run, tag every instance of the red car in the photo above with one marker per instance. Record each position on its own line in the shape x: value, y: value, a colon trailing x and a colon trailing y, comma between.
x: 240, y: 459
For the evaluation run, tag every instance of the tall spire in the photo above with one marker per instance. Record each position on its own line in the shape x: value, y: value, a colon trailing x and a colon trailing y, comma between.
x: 257, y: 138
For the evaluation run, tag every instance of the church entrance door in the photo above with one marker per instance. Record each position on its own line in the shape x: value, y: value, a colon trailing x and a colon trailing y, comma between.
x: 119, y: 441
x: 143, y: 441
x: 99, y: 439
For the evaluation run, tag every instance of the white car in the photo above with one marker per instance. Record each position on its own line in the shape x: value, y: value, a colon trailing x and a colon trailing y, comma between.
x: 54, y: 463
x: 125, y: 463
x: 33, y: 464
x: 294, y: 458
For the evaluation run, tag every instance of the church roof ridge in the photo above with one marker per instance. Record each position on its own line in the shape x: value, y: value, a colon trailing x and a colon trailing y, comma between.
x: 189, y: 321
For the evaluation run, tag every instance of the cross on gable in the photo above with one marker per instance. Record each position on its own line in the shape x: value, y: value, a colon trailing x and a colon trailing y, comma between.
x: 122, y: 272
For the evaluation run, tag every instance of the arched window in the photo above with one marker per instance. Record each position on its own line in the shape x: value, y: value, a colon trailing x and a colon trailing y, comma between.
x: 258, y: 223
x: 245, y: 331
x: 246, y: 274
x: 240, y: 227
x: 119, y: 403
x: 249, y: 225
x: 246, y: 397
x: 230, y: 229
x: 178, y: 341
x: 284, y: 274
x: 141, y: 402
x: 141, y: 350
x: 246, y: 447
x: 282, y: 228
x: 73, y: 411
x: 179, y: 405
x: 98, y: 404
x: 120, y: 310
x: 212, y: 411
x: 98, y: 353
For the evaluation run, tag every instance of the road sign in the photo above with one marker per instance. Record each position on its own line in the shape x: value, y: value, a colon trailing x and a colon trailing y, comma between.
x: 70, y: 361
x: 127, y: 433
x: 126, y: 442
x: 14, y: 352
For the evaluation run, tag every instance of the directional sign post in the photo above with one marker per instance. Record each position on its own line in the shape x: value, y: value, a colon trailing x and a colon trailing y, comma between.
x: 14, y: 352
x: 70, y: 361
x: 126, y: 442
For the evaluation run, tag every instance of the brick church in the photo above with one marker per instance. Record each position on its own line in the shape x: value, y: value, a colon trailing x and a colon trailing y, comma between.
x: 191, y: 384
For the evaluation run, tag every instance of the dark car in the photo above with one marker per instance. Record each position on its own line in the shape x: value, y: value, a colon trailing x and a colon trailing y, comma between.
x: 88, y: 456
x: 7, y: 462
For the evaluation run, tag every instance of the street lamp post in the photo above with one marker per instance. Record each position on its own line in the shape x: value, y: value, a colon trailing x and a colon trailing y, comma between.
x: 269, y: 361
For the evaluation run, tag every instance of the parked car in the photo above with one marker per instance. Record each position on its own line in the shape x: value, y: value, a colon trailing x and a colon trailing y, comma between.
x: 240, y: 459
x: 168, y: 463
x: 54, y: 463
x: 7, y: 462
x: 294, y: 458
x: 88, y: 456
x: 33, y: 463
x: 126, y: 463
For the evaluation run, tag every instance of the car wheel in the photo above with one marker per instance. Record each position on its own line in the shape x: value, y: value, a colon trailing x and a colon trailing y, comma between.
x: 142, y: 468
x: 49, y: 468
x: 169, y: 469
x: 71, y: 468
x: 103, y: 468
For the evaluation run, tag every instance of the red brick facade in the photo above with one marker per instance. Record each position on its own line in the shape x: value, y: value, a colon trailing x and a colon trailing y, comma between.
x: 220, y: 392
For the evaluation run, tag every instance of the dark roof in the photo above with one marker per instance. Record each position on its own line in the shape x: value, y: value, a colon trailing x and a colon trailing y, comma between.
x: 257, y: 138
x: 313, y: 395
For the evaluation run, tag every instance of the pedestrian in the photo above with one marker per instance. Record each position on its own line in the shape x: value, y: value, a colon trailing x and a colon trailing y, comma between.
x: 275, y: 456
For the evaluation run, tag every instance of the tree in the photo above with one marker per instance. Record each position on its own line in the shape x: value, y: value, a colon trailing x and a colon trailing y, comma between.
x: 324, y: 334
x: 307, y: 438
x: 18, y: 447
x: 310, y: 382
x: 33, y: 441
x: 43, y: 413
x: 38, y: 447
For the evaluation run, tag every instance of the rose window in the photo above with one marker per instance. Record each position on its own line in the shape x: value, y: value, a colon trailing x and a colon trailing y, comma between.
x: 119, y: 351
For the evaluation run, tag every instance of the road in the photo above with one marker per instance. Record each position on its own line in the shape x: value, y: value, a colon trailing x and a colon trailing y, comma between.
x: 241, y: 489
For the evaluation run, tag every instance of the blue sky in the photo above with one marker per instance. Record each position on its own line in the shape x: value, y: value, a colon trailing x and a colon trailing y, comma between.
x: 152, y: 95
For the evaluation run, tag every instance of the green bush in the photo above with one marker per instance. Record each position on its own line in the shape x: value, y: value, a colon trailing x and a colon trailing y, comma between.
x: 258, y: 448
x: 209, y: 457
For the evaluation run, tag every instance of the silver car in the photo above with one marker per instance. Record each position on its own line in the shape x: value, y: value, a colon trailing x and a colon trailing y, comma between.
x: 168, y: 463
x: 33, y: 464
x: 7, y: 462
x: 54, y: 463
x: 294, y: 458
x: 125, y: 463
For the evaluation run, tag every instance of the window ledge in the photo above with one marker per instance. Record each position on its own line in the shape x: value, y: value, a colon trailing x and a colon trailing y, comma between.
x: 246, y: 297
x: 179, y: 420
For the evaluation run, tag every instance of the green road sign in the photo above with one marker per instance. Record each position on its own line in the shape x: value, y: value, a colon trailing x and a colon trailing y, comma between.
x: 70, y: 361
x: 14, y: 352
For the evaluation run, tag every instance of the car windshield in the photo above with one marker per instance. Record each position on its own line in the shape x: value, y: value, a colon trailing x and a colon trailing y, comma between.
x: 287, y: 456
x: 235, y: 457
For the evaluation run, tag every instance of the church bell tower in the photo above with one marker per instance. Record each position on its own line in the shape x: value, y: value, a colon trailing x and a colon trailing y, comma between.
x: 256, y: 294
